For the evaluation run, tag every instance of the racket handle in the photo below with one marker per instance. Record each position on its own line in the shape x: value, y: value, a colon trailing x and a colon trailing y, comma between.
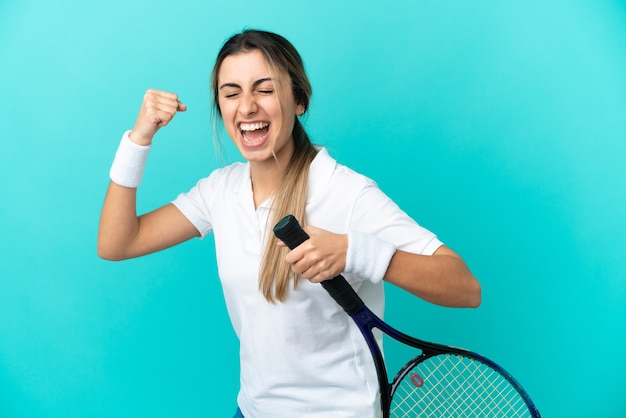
x: 289, y: 231
x: 344, y: 294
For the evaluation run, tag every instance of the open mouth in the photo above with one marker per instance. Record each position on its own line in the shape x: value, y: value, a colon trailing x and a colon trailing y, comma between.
x: 254, y: 133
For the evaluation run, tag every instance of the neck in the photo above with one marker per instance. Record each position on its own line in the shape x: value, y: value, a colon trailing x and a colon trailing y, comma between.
x: 266, y: 175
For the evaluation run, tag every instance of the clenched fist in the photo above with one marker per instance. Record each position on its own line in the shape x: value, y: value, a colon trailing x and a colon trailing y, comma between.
x: 157, y: 110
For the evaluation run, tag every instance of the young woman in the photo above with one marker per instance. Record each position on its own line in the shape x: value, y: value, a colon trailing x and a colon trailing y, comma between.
x: 300, y: 355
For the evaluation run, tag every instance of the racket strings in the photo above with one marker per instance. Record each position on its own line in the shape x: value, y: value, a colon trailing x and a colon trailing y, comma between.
x: 456, y: 386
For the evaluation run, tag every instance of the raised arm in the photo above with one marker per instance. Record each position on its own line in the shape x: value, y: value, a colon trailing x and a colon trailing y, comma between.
x: 122, y: 234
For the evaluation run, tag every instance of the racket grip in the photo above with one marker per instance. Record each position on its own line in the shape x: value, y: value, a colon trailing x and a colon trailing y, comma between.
x: 343, y: 294
x: 289, y: 231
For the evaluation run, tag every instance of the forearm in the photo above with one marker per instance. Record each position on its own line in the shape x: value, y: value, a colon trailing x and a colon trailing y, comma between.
x: 443, y: 278
x: 119, y: 223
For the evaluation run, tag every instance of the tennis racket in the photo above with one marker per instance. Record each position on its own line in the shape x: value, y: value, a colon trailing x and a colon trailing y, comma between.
x: 441, y: 381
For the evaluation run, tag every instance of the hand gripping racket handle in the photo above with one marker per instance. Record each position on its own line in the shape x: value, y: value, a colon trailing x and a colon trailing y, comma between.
x: 289, y: 231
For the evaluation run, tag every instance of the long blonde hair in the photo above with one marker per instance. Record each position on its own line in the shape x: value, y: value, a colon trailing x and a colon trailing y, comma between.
x: 289, y: 196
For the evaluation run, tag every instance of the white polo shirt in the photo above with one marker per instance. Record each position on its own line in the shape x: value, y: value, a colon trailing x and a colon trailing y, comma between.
x: 303, y: 357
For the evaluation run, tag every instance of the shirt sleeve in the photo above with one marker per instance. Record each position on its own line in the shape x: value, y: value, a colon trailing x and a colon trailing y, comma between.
x: 195, y: 206
x: 375, y: 213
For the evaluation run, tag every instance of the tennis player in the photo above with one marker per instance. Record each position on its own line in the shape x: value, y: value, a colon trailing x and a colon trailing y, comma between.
x: 300, y: 355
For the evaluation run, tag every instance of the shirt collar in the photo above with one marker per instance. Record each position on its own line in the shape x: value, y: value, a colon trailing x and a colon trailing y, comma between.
x: 320, y: 173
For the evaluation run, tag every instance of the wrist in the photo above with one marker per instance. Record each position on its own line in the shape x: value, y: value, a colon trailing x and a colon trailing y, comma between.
x: 368, y: 256
x: 129, y: 162
x: 138, y: 139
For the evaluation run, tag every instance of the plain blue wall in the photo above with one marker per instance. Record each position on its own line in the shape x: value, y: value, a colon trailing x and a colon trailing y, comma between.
x: 498, y: 125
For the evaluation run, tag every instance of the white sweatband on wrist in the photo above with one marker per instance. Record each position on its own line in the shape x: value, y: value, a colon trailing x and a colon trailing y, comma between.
x: 368, y: 256
x: 129, y: 162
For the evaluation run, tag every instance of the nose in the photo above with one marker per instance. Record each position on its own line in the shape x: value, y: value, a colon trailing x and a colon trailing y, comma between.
x: 247, y: 106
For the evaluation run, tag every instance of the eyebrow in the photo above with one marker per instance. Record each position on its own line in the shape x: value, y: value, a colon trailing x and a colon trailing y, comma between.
x: 255, y: 84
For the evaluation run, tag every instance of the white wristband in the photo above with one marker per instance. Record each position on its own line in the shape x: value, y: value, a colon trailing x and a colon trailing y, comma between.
x: 129, y: 163
x: 368, y: 256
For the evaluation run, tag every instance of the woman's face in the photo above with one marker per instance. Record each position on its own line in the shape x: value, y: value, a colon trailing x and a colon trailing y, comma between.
x: 258, y: 121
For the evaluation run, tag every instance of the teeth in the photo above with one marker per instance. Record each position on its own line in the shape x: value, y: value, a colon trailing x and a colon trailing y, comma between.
x: 252, y: 126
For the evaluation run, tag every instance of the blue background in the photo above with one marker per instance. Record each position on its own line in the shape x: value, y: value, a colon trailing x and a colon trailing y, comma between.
x: 498, y: 125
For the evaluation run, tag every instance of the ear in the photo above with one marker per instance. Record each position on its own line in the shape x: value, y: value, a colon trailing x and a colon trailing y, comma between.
x: 300, y: 109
